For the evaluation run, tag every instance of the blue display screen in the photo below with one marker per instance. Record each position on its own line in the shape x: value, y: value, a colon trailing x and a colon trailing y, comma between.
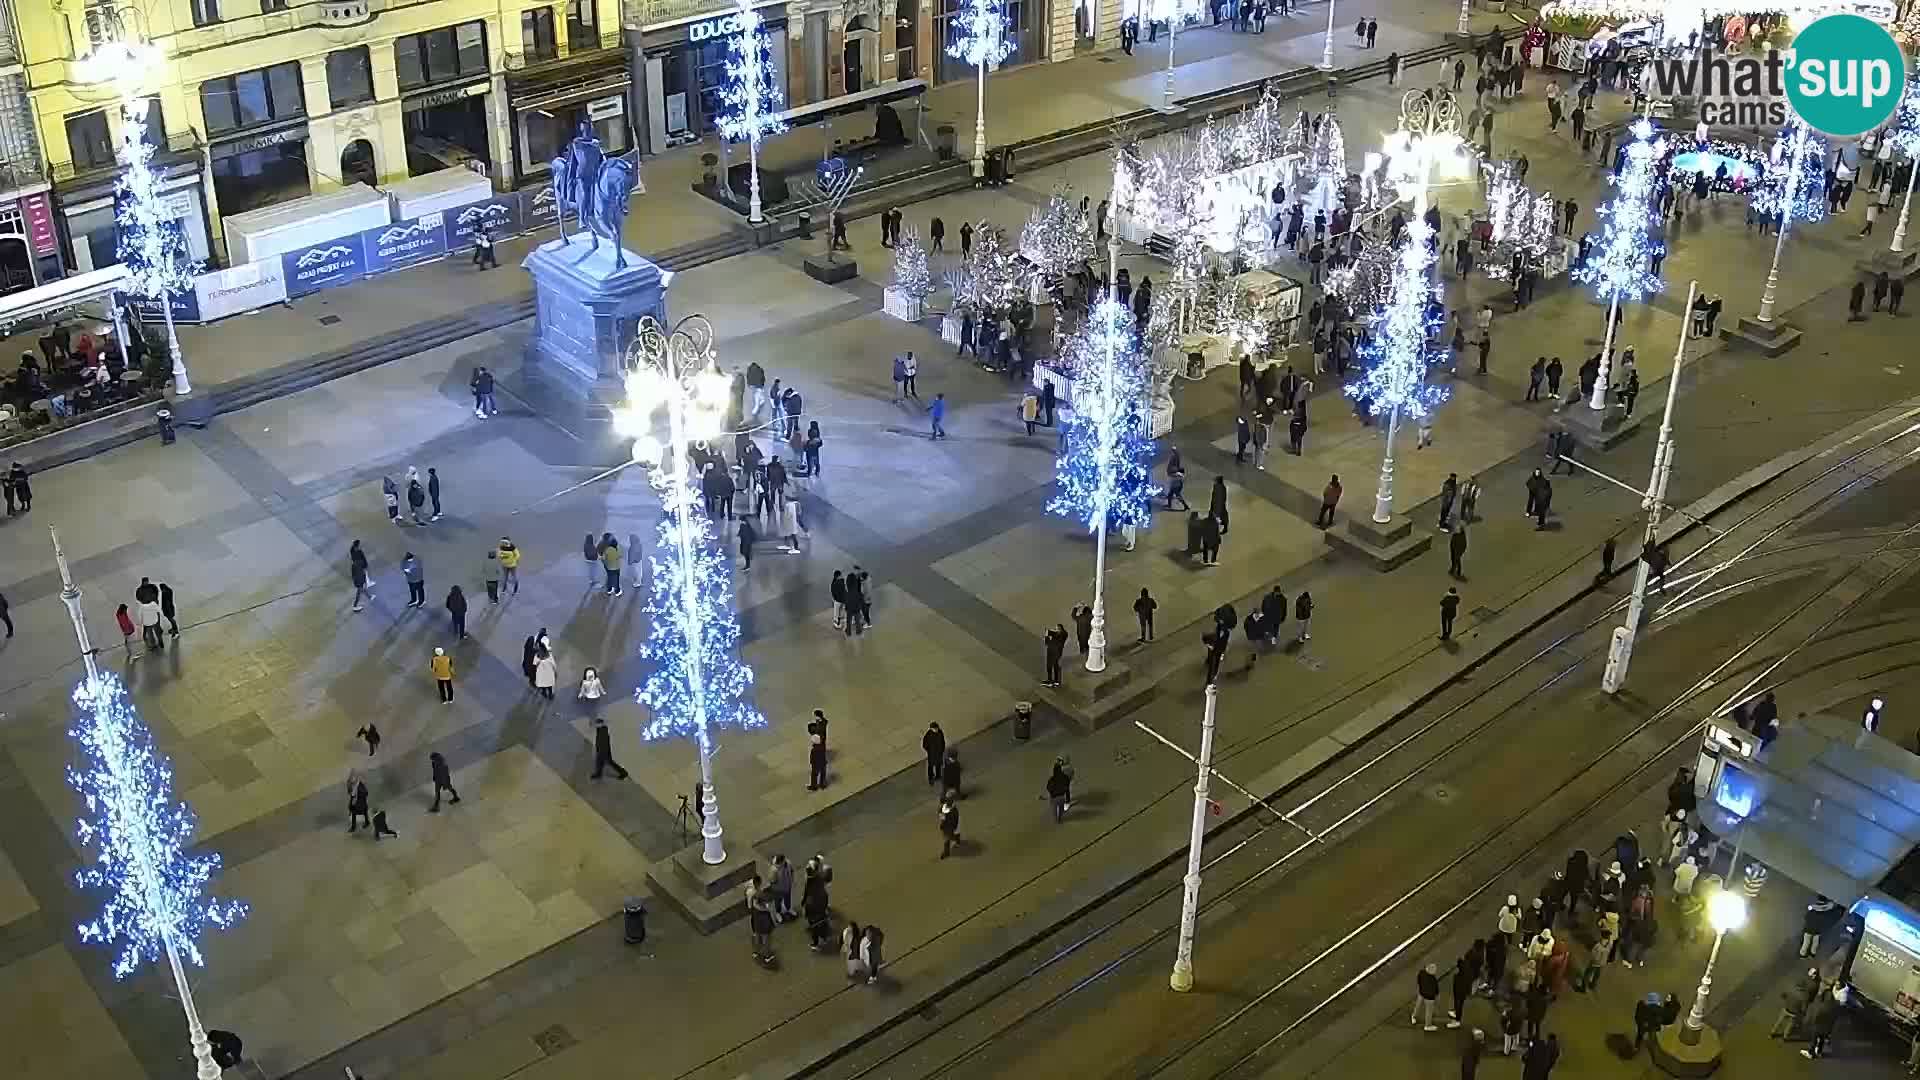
x: 1737, y: 793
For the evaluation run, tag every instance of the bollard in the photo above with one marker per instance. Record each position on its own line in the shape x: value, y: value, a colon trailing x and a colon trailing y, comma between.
x: 1023, y: 720
x: 635, y: 912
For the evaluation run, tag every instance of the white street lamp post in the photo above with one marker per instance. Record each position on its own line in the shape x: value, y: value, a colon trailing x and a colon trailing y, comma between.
x: 1900, y: 227
x: 1726, y: 911
x: 1182, y: 977
x: 1173, y: 34
x: 1097, y: 639
x: 1771, y: 290
x: 1326, y: 44
x: 674, y: 372
x: 204, y: 1067
x: 980, y: 38
x: 1432, y: 121
x: 1621, y: 652
x: 1462, y: 28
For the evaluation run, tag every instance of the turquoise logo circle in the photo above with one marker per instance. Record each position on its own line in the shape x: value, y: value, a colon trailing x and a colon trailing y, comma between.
x: 1845, y: 75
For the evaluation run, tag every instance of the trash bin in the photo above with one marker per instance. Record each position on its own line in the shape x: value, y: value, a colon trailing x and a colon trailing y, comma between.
x: 635, y: 910
x: 805, y: 221
x: 164, y: 418
x: 944, y: 142
x: 1023, y: 720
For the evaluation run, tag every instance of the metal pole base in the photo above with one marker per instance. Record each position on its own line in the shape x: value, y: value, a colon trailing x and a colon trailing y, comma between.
x: 1182, y: 978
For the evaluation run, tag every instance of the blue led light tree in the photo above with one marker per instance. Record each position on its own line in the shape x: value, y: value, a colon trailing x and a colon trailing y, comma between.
x: 154, y: 892
x: 980, y: 38
x: 1904, y: 130
x: 147, y: 237
x: 1793, y: 188
x: 1396, y: 358
x: 1108, y: 450
x: 751, y: 99
x: 1620, y: 267
x: 697, y: 682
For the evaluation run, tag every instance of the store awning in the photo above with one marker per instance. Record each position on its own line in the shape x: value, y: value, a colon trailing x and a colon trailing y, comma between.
x: 1828, y: 804
x: 68, y: 292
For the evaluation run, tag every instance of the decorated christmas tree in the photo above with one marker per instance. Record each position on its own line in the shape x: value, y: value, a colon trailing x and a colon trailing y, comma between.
x: 911, y: 274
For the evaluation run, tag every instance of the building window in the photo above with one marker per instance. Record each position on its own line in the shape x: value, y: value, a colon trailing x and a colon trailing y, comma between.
x: 268, y: 7
x: 583, y: 25
x: 205, y: 12
x: 536, y: 34
x: 1022, y: 32
x: 904, y: 37
x: 252, y: 97
x: 89, y: 140
x: 156, y: 133
x: 452, y: 52
x: 349, y: 77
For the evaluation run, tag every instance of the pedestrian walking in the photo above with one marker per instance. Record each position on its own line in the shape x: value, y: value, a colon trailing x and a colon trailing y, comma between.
x: 1303, y: 616
x: 150, y: 626
x: 1082, y: 616
x: 1821, y: 1018
x: 442, y: 667
x: 127, y: 629
x: 1176, y: 480
x: 779, y: 890
x: 1821, y: 916
x: 1646, y: 1020
x: 457, y: 609
x: 1449, y: 491
x: 1143, y: 609
x: 22, y: 487
x: 949, y: 825
x: 1449, y: 608
x: 1456, y: 550
x: 1794, y: 1003
x: 937, y: 414
x: 1856, y: 299
x: 1210, y: 540
x: 482, y: 386
x: 1056, y: 645
x: 416, y: 495
x: 934, y: 745
x: 950, y: 773
x: 1896, y: 291
x: 610, y: 561
x: 166, y: 611
x: 1462, y: 990
x: 442, y: 781
x: 357, y: 802
x: 1426, y: 993
x: 1060, y: 788
x: 357, y: 570
x: 545, y: 672
x: 590, y: 551
x: 371, y: 736
x: 603, y: 750
x: 509, y: 566
x: 1217, y: 503
x: 433, y: 492
x: 815, y: 905
x: 760, y: 920
x: 1329, y: 501
x: 851, y: 939
x: 416, y: 580
x: 816, y: 762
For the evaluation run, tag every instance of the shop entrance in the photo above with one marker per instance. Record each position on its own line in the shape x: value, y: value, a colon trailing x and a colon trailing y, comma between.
x: 852, y: 57
x: 356, y: 164
x: 16, y: 264
x: 447, y: 135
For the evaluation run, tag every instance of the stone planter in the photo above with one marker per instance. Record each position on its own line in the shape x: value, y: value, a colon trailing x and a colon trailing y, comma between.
x: 902, y: 306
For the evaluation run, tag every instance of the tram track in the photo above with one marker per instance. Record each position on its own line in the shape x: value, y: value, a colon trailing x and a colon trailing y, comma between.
x: 1699, y: 587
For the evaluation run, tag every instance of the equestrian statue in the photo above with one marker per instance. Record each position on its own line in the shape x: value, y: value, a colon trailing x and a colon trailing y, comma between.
x: 595, y: 189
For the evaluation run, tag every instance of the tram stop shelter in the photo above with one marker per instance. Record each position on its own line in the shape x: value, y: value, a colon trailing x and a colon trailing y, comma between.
x: 1835, y: 807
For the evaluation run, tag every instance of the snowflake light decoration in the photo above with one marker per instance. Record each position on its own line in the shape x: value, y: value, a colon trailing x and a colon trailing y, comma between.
x: 1904, y: 128
x: 1531, y: 228
x: 1102, y: 469
x: 1397, y: 357
x: 751, y: 99
x: 996, y: 275
x: 1618, y: 267
x: 155, y: 891
x: 980, y: 34
x: 1366, y: 282
x: 1057, y: 238
x: 1794, y: 185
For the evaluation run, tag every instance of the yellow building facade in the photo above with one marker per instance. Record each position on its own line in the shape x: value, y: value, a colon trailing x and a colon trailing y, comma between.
x: 264, y: 101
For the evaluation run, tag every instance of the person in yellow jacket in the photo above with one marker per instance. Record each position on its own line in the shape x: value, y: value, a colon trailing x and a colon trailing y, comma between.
x: 442, y: 668
x: 610, y: 559
x: 509, y: 566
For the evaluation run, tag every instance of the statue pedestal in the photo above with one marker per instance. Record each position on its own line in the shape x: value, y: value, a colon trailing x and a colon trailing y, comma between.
x: 587, y: 312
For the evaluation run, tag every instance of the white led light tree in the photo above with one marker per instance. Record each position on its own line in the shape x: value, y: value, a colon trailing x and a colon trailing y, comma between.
x: 698, y: 683
x: 980, y: 38
x: 751, y: 100
x: 1793, y: 188
x: 1107, y: 452
x: 1397, y: 356
x: 153, y: 889
x: 1620, y: 266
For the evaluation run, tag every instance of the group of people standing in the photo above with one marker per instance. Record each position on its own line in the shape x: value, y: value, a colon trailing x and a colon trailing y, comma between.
x: 151, y: 603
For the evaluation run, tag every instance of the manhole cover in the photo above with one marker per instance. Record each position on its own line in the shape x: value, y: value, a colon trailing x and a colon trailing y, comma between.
x: 329, y: 320
x: 1312, y: 663
x: 1440, y: 793
x: 554, y: 1039
x: 1483, y: 613
x: 1123, y: 757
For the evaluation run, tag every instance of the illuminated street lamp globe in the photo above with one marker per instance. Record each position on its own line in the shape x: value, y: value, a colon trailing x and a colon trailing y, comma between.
x: 1727, y: 911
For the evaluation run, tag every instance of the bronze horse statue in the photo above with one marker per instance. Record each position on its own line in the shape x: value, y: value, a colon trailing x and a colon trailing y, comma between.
x: 595, y: 189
